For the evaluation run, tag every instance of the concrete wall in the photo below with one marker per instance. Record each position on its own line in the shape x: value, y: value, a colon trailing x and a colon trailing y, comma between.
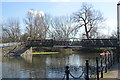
x: 27, y: 52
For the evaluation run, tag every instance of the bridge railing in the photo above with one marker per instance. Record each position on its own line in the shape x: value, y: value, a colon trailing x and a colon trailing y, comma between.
x: 99, y: 42
x: 40, y: 43
x: 83, y: 43
x: 67, y: 43
x: 51, y: 43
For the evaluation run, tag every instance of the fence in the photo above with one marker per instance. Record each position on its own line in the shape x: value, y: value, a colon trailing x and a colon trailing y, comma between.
x: 102, y: 64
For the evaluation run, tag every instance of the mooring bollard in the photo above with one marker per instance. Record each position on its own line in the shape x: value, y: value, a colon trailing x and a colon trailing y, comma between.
x: 111, y: 61
x: 113, y: 55
x: 87, y: 70
x: 108, y: 61
x: 101, y: 65
x: 118, y: 58
x: 67, y: 72
x: 105, y: 63
x: 97, y: 68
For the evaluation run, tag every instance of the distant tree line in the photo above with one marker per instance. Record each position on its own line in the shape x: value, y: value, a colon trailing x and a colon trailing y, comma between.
x: 39, y: 25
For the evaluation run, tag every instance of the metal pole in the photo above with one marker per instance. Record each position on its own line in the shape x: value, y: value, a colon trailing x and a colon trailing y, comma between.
x: 113, y: 57
x: 97, y: 69
x: 67, y: 72
x: 101, y: 66
x: 118, y: 30
x: 87, y: 70
x: 111, y: 61
x: 105, y: 63
x: 108, y: 61
x: 118, y: 58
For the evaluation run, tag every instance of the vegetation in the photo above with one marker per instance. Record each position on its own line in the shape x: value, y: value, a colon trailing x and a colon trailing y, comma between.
x: 89, y: 18
x: 11, y: 31
x: 70, y: 50
x: 39, y: 25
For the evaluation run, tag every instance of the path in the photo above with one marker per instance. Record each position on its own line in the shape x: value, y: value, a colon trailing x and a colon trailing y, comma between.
x: 113, y: 73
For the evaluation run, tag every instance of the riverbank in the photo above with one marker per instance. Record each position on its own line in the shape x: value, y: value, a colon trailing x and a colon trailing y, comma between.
x: 70, y: 50
x: 46, y: 50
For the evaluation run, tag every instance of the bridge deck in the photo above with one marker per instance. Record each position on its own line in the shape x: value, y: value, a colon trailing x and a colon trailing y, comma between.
x: 82, y: 43
x: 65, y: 46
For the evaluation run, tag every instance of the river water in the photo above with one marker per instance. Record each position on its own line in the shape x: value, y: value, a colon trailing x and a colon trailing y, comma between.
x: 45, y: 66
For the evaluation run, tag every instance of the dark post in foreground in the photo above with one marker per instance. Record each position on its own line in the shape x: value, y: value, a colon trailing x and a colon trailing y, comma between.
x: 87, y: 70
x: 118, y: 30
x: 67, y: 72
x: 97, y: 68
x: 101, y: 65
x: 105, y: 63
x: 108, y: 59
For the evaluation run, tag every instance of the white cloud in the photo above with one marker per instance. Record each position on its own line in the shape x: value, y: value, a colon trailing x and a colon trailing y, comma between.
x: 109, y: 27
x: 112, y: 24
x: 35, y: 13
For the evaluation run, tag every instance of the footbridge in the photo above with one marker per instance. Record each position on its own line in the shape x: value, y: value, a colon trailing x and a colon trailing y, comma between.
x: 72, y: 43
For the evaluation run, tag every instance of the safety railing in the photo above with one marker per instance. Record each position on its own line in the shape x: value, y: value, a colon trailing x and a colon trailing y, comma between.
x: 102, y: 64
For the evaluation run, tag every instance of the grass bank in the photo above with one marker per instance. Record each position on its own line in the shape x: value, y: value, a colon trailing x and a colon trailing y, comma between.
x: 53, y: 50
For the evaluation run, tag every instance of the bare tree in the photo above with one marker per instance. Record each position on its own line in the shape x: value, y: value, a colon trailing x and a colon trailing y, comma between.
x: 114, y: 35
x: 62, y: 27
x: 36, y: 25
x: 88, y: 18
x: 11, y: 30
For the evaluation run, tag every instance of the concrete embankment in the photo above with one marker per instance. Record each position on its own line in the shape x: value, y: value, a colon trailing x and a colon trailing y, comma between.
x: 16, y: 51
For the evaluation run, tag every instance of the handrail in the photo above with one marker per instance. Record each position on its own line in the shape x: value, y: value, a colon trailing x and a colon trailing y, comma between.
x: 77, y: 77
x: 93, y: 70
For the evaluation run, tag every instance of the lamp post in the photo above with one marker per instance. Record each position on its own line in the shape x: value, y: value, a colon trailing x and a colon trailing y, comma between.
x: 118, y: 22
x: 118, y: 29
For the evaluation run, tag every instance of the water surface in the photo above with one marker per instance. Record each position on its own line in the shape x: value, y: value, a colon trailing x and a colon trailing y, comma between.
x: 45, y: 66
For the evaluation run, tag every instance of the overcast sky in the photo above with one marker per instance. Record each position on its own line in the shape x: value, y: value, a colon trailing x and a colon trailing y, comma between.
x: 19, y: 10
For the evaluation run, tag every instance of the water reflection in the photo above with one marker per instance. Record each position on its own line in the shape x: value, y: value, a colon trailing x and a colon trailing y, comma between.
x: 43, y: 66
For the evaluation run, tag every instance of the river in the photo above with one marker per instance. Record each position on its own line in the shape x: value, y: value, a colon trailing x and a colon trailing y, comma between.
x: 45, y: 66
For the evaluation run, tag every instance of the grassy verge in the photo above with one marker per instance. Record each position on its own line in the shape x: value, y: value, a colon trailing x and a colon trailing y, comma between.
x: 45, y: 52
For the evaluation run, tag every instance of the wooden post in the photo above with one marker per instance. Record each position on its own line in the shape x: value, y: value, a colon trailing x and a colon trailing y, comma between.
x: 97, y: 68
x: 87, y: 70
x: 101, y: 61
x: 67, y: 72
x: 105, y: 63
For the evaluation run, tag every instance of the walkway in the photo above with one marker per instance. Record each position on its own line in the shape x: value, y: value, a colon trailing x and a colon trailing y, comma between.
x: 113, y: 73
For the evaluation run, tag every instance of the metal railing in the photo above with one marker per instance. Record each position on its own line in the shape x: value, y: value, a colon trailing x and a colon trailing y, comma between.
x: 102, y: 65
x: 83, y: 43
